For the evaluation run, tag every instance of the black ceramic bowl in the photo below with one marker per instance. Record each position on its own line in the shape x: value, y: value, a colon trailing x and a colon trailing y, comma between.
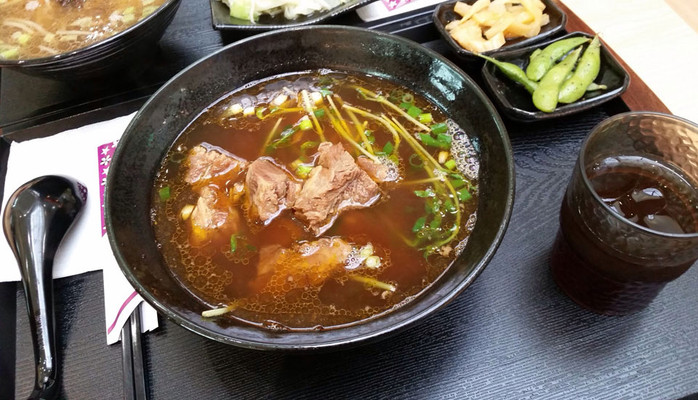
x: 220, y: 14
x: 516, y: 103
x: 124, y: 51
x: 160, y: 121
x: 443, y: 14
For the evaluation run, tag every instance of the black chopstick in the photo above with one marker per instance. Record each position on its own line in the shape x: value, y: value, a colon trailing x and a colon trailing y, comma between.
x: 132, y: 358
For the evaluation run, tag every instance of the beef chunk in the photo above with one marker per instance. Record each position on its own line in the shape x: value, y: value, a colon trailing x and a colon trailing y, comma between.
x: 306, y: 265
x: 270, y: 189
x: 208, y: 163
x: 379, y: 172
x: 212, y: 216
x: 334, y: 185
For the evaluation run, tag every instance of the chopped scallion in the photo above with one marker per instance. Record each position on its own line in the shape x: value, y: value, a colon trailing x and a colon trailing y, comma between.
x: 405, y: 106
x: 164, y: 193
x: 425, y: 118
x: 373, y: 261
x: 414, y: 111
x: 419, y: 224
x: 439, y: 128
x: 464, y: 195
x: 186, y: 211
x: 306, y: 124
x: 450, y: 164
x: 449, y: 206
x: 320, y: 112
x: 429, y: 192
x: 388, y: 149
x: 432, y: 205
x: 444, y: 138
x: 436, y: 222
x: 259, y: 112
x: 303, y: 170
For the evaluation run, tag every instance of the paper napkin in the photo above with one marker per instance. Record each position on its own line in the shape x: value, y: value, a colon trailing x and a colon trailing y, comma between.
x: 83, y: 154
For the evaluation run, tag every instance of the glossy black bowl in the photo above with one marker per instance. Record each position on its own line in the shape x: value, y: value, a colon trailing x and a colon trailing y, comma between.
x: 125, y: 51
x: 443, y: 14
x: 516, y: 103
x: 166, y: 114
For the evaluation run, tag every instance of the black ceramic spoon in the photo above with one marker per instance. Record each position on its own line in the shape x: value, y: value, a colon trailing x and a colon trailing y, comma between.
x: 36, y: 218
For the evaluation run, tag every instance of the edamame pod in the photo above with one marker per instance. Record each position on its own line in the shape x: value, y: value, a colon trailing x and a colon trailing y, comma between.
x: 541, y: 63
x: 513, y: 72
x: 589, y: 65
x: 545, y: 96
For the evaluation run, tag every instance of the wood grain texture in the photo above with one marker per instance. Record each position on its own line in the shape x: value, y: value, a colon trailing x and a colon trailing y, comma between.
x: 687, y: 10
x: 638, y: 97
x: 655, y: 41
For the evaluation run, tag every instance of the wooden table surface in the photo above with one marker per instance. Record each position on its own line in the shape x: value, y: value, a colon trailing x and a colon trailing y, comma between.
x: 657, y: 41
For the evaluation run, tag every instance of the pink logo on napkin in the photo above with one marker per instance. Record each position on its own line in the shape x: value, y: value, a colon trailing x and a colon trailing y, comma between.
x: 393, y: 4
x: 104, y: 155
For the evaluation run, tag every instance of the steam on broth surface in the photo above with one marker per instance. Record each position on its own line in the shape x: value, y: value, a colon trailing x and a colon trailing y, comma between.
x: 42, y: 28
x: 315, y: 200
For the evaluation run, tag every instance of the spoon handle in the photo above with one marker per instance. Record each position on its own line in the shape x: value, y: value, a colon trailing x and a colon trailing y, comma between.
x: 36, y: 219
x: 38, y: 289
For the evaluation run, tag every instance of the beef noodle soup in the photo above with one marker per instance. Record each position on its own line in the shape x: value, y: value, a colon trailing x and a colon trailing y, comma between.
x: 314, y: 200
x: 43, y: 28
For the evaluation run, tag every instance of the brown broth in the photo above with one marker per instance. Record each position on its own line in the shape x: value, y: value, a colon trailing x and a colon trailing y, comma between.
x: 38, y: 28
x: 218, y: 276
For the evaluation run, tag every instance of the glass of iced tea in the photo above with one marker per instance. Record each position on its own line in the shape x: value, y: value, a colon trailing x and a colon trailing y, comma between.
x: 629, y: 217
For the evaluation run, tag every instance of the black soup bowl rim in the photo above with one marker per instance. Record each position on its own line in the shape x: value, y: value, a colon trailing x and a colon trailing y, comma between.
x: 362, y: 338
x: 96, y: 46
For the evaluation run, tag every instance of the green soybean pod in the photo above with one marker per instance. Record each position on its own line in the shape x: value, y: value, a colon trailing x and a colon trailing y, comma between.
x: 587, y: 70
x: 545, y: 97
x: 513, y: 72
x: 540, y: 64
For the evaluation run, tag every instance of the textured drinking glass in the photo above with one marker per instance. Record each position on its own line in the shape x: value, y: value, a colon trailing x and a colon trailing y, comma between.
x: 615, y: 264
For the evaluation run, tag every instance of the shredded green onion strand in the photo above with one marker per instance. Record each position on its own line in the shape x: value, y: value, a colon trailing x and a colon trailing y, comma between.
x: 217, y: 312
x: 372, y: 282
x: 271, y: 134
x: 233, y: 243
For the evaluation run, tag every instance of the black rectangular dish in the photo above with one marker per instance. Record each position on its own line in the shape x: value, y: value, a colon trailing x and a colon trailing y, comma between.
x: 515, y: 102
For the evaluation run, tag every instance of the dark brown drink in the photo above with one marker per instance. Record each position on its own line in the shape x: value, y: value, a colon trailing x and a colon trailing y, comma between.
x: 607, y: 273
